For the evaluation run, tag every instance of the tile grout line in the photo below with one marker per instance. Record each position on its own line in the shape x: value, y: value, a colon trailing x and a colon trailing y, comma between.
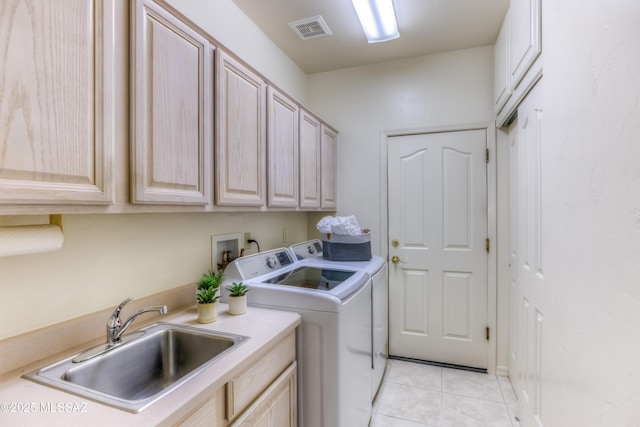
x: 500, y: 398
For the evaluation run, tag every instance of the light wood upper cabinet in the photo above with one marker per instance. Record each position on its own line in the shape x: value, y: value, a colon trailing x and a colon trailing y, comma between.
x: 524, y: 37
x: 109, y: 106
x: 282, y: 146
x: 172, y: 109
x: 328, y: 186
x: 318, y: 185
x: 57, y: 102
x: 241, y: 134
x: 310, y: 131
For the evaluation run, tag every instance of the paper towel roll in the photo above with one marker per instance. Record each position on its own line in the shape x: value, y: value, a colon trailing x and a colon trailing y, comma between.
x: 30, y: 239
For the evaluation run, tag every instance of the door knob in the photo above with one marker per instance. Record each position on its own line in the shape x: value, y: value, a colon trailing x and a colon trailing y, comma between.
x: 396, y: 259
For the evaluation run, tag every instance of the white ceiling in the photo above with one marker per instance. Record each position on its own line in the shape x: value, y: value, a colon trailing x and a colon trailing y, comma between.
x: 426, y: 27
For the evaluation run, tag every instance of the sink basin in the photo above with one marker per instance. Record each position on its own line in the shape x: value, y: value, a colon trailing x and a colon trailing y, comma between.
x: 135, y: 374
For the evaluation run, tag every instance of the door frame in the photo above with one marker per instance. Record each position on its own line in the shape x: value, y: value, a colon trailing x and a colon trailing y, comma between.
x: 490, y: 129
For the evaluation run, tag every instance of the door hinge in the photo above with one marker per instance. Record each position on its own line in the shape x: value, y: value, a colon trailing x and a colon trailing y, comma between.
x: 488, y: 245
x: 488, y: 333
x: 486, y: 155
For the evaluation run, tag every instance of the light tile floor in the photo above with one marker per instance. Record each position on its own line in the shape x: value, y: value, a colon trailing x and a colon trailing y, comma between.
x: 415, y: 395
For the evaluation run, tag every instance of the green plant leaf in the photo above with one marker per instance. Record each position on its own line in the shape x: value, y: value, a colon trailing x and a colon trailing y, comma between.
x: 237, y: 289
x: 210, y: 279
x: 207, y: 295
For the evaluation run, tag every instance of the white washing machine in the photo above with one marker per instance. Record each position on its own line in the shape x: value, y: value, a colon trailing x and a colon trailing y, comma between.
x: 310, y: 253
x: 334, y: 340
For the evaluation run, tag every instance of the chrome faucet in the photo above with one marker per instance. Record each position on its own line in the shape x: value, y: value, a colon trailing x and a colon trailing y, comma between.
x: 115, y: 326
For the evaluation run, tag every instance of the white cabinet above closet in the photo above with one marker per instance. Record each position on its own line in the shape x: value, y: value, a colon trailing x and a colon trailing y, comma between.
x: 517, y: 56
x: 502, y: 82
x: 524, y: 37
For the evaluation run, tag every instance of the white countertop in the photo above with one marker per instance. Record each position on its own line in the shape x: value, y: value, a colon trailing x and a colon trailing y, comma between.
x: 26, y: 403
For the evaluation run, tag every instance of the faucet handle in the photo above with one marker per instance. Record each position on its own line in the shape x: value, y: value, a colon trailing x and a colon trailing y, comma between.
x: 123, y: 303
x: 114, y: 320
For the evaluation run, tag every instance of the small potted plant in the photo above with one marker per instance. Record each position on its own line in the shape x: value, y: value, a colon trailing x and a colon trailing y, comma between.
x: 207, y: 296
x: 237, y: 298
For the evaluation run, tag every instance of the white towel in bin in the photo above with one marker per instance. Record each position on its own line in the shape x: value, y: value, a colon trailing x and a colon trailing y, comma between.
x: 347, y: 225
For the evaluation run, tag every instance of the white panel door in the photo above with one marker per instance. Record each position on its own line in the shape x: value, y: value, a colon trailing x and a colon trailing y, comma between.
x: 527, y: 259
x: 437, y: 231
x: 514, y: 359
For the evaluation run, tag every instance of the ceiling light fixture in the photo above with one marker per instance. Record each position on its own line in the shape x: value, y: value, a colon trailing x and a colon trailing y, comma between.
x: 378, y: 19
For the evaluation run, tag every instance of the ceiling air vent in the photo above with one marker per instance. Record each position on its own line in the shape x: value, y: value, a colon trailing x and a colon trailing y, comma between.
x: 310, y: 28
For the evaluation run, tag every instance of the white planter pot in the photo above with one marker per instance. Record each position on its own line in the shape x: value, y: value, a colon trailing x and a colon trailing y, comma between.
x: 238, y: 305
x: 207, y: 313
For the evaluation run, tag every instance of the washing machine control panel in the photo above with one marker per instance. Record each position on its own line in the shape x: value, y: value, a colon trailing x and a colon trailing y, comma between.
x: 284, y: 258
x: 305, y: 250
x: 265, y: 262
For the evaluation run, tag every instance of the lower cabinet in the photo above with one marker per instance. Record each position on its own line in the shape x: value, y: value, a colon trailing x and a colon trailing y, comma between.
x: 210, y: 414
x: 262, y: 395
x: 276, y: 407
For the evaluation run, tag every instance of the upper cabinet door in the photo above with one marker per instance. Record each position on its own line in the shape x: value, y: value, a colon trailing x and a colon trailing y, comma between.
x: 241, y: 134
x: 57, y: 102
x: 309, y: 160
x: 502, y: 85
x: 282, y: 146
x: 328, y: 188
x: 524, y: 37
x: 172, y: 109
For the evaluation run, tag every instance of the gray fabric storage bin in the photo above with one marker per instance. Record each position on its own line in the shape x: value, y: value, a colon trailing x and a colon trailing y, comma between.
x: 342, y: 247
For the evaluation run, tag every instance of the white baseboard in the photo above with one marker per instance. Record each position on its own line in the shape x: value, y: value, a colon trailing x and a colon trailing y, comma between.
x: 502, y: 371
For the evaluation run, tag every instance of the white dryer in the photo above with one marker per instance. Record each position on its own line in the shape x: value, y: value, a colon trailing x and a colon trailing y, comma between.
x: 310, y: 253
x: 334, y: 340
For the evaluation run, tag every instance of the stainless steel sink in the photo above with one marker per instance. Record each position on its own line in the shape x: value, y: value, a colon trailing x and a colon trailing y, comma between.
x: 135, y: 374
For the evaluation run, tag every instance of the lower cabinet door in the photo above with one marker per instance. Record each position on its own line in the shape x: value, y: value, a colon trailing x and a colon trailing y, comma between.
x: 276, y: 407
x: 210, y: 414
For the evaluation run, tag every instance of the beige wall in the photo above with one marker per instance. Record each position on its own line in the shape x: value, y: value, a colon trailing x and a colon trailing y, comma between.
x: 362, y: 102
x: 107, y: 258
